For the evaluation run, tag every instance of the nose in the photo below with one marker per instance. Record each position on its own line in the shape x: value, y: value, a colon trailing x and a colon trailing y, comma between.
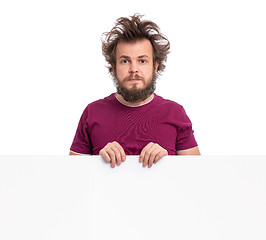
x: 133, y: 68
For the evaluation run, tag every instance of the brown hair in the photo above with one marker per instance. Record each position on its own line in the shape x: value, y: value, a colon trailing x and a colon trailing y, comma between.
x: 133, y: 29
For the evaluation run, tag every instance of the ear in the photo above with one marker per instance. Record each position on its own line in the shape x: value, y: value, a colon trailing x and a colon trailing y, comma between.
x: 156, y: 65
x: 113, y: 69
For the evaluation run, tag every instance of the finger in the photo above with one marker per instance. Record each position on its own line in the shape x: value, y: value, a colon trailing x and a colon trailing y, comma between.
x: 108, y: 154
x: 160, y: 155
x: 142, y: 154
x: 105, y: 155
x: 153, y: 155
x: 113, y: 153
x: 145, y: 154
x: 153, y: 152
x: 116, y: 153
x: 112, y: 157
x: 121, y: 151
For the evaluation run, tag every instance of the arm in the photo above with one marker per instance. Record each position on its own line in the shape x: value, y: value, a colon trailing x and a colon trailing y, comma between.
x: 190, y: 151
x: 72, y: 153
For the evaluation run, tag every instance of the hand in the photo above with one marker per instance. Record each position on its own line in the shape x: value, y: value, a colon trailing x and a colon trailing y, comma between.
x: 113, y: 153
x: 151, y: 154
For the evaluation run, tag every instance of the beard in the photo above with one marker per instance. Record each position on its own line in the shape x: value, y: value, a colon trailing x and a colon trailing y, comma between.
x: 135, y: 94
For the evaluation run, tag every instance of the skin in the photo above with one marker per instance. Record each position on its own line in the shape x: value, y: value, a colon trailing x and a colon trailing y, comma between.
x: 136, y: 59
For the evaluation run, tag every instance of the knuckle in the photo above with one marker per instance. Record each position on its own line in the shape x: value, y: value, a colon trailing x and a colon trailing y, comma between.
x: 112, y: 154
x: 152, y: 154
x: 147, y: 153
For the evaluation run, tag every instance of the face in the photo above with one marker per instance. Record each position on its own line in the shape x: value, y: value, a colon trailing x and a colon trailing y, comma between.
x: 135, y: 72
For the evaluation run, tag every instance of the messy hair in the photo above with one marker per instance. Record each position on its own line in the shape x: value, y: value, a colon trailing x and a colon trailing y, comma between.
x: 133, y: 29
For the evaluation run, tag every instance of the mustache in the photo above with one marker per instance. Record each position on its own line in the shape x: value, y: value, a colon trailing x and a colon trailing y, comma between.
x: 134, y: 76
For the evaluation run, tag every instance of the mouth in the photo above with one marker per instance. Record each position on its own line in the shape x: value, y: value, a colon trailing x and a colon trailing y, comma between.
x: 134, y: 79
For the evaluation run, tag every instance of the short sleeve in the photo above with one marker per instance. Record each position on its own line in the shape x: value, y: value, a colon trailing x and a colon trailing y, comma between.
x: 82, y: 143
x: 185, y: 135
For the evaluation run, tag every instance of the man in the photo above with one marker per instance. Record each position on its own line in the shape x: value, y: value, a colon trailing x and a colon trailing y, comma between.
x: 134, y: 120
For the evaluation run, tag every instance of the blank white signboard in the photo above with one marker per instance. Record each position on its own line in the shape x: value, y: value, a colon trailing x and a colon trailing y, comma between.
x: 70, y: 197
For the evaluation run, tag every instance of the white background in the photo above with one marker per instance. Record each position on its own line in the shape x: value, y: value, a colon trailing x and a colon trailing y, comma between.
x: 51, y: 67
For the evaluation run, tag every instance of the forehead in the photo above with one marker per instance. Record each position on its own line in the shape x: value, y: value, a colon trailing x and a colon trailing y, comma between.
x: 134, y: 49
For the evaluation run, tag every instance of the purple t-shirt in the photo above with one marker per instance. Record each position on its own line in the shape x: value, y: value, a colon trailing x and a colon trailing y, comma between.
x: 160, y: 121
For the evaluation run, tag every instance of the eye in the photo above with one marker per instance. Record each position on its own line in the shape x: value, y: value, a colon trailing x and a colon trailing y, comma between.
x: 124, y: 61
x: 142, y: 61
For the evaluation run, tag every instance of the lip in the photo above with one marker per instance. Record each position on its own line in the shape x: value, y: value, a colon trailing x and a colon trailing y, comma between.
x: 134, y: 79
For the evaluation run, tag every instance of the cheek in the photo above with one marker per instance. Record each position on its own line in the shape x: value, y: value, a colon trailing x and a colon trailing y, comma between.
x: 121, y: 70
x: 148, y: 71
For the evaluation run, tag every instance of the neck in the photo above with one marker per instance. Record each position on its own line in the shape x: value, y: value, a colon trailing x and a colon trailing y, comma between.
x: 135, y: 104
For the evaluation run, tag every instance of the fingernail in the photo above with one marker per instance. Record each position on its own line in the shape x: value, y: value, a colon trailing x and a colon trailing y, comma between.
x: 140, y: 159
x: 124, y: 158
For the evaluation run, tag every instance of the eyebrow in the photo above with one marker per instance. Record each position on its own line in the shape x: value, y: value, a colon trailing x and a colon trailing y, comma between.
x: 127, y: 57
